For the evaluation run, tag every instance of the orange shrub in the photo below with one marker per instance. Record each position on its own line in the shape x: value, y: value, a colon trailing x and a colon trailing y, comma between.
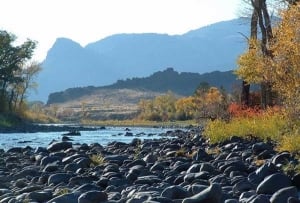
x: 237, y: 110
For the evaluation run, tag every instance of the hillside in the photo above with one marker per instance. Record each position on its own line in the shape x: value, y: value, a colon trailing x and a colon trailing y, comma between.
x: 159, y: 82
x: 183, y: 83
x: 120, y: 100
x: 103, y: 104
x: 120, y: 56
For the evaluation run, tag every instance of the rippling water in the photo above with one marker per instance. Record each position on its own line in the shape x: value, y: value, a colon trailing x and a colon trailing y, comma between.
x: 103, y: 137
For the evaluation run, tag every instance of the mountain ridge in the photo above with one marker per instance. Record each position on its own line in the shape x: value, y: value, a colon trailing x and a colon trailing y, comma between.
x: 120, y: 56
x: 180, y: 83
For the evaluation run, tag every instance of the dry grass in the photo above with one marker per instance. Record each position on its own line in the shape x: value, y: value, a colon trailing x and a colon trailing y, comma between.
x: 97, y: 159
x: 264, y: 127
x: 139, y: 123
x: 276, y: 127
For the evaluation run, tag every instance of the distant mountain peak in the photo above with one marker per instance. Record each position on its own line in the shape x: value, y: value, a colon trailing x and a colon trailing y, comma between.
x: 66, y: 42
x: 63, y: 45
x: 121, y: 56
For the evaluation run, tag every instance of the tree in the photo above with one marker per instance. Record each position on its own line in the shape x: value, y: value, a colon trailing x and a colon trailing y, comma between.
x: 260, y: 17
x: 202, y: 88
x: 12, y: 59
x: 282, y: 69
x: 185, y: 108
x: 28, y: 75
x: 285, y: 65
x: 165, y: 106
x: 161, y: 108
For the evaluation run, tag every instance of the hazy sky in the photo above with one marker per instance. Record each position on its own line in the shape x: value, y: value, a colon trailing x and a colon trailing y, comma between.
x: 86, y: 21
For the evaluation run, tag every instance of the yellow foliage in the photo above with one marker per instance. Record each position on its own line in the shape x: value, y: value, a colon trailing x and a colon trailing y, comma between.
x: 39, y: 117
x: 282, y: 68
x: 161, y: 108
x: 205, y: 103
x: 186, y: 106
x: 290, y: 141
x: 286, y: 60
x: 267, y: 126
x: 250, y: 64
x: 213, y: 96
x: 97, y: 159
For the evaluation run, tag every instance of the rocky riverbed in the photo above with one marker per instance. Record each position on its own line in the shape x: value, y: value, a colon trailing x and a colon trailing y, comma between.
x: 184, y: 169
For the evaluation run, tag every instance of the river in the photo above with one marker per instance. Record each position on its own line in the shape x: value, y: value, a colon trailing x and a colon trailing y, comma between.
x: 101, y: 136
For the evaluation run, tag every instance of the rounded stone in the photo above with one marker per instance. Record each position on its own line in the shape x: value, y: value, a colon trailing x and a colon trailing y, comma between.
x: 283, y: 194
x: 212, y: 194
x: 92, y: 197
x: 273, y: 183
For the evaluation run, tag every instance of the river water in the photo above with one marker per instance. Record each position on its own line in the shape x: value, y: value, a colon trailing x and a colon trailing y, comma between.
x: 103, y: 137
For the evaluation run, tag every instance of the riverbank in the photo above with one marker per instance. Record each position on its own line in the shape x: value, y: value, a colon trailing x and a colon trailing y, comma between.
x: 28, y: 127
x: 185, y: 168
x: 25, y: 127
x: 144, y: 123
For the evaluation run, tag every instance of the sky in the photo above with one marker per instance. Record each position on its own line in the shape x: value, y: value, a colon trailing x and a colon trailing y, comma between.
x: 86, y: 21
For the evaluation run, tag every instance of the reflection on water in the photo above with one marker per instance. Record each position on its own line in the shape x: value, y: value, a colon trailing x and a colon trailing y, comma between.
x: 103, y: 137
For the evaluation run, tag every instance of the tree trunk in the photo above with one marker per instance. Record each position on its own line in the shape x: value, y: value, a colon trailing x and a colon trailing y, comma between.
x: 245, y: 97
x: 264, y: 22
x: 10, y: 102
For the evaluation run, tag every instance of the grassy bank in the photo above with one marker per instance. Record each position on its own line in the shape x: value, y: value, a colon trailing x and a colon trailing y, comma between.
x: 9, y: 120
x: 275, y: 127
x: 140, y: 123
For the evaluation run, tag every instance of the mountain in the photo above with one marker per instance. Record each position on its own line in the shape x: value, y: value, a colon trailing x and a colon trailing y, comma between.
x: 183, y: 84
x: 121, y: 56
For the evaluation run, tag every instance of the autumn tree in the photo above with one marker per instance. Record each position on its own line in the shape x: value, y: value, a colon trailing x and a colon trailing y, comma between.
x: 281, y: 70
x: 260, y: 18
x: 214, y: 103
x: 185, y: 108
x: 285, y: 66
x: 27, y: 75
x: 261, y: 23
x: 161, y: 108
x: 209, y: 103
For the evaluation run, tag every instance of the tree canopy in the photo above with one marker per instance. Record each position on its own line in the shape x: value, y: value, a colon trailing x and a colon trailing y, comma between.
x: 15, y: 76
x: 283, y: 68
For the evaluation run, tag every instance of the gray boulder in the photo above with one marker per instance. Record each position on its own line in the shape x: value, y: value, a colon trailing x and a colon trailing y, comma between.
x: 175, y: 192
x: 59, y: 178
x: 39, y: 196
x: 50, y: 159
x: 212, y: 194
x: 281, y: 158
x: 70, y: 198
x: 293, y: 200
x: 273, y: 183
x: 242, y: 186
x: 261, y: 198
x: 283, y: 194
x: 150, y: 158
x: 151, y: 179
x: 58, y: 146
x: 92, y: 197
